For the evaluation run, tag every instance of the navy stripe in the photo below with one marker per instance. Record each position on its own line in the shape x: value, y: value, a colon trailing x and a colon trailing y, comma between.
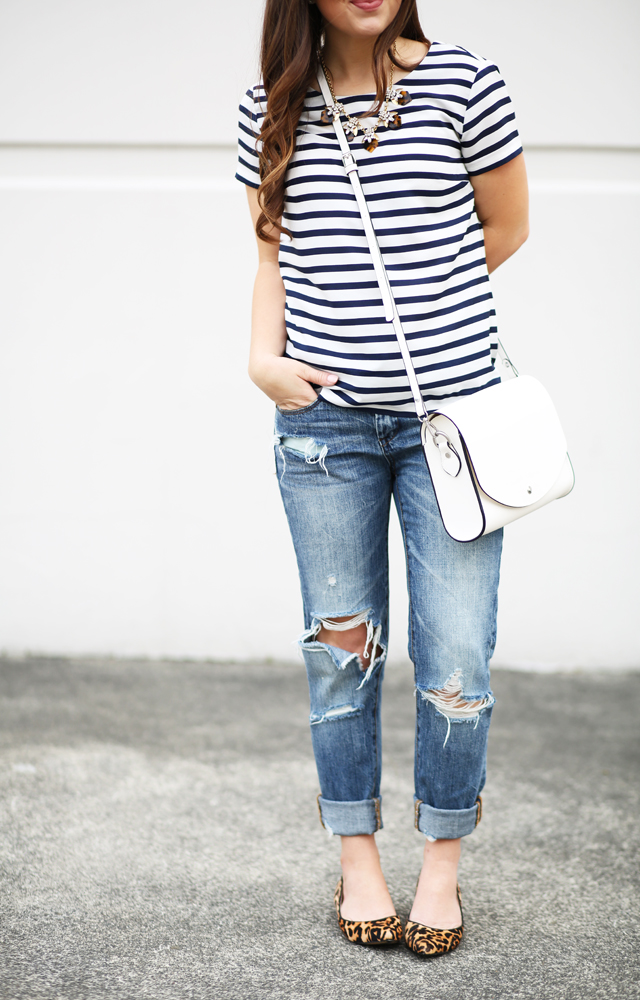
x: 489, y: 131
x: 395, y: 231
x: 493, y: 110
x: 406, y: 404
x: 418, y: 317
x: 244, y: 180
x: 433, y: 384
x: 393, y: 355
x: 248, y: 166
x: 394, y: 214
x: 492, y: 149
x: 415, y: 247
x: 420, y: 370
x: 389, y: 337
x: 293, y: 293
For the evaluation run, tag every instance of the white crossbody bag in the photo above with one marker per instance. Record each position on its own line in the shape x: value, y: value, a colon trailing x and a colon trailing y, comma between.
x: 493, y: 456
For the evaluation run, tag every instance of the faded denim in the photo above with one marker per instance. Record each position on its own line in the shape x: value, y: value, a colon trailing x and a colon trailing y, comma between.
x: 338, y: 469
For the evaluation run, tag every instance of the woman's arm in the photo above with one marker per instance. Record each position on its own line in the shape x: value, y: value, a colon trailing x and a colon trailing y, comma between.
x: 502, y: 206
x: 284, y: 380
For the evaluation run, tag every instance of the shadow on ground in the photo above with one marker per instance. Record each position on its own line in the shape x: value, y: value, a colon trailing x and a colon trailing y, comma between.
x: 160, y: 839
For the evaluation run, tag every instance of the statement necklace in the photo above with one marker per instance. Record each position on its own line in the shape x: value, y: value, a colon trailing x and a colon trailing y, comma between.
x: 386, y: 116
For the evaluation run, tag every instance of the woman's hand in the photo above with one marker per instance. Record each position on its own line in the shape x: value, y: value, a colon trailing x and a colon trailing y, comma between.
x: 289, y: 383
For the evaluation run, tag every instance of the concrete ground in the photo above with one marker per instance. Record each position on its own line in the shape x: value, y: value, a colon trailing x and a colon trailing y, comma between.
x: 159, y: 839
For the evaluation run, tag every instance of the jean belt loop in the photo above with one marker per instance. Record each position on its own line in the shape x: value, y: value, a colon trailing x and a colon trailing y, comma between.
x: 478, y: 809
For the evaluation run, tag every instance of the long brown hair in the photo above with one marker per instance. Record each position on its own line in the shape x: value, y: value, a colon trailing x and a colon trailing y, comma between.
x: 291, y: 36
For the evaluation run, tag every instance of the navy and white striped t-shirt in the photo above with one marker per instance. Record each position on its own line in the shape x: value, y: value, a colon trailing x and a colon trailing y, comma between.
x: 460, y: 122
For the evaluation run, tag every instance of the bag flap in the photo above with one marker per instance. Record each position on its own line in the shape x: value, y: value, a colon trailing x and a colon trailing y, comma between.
x: 513, y: 438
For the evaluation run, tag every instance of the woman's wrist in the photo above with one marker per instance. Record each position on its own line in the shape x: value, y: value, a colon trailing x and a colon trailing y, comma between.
x: 260, y: 365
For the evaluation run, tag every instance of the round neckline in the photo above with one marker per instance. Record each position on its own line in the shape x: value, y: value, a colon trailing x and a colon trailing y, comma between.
x: 359, y: 97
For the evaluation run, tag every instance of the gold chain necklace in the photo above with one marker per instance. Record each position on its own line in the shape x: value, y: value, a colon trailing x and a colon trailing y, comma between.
x: 386, y: 116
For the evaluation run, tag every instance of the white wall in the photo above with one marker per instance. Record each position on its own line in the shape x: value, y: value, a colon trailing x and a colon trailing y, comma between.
x: 116, y: 71
x: 139, y: 513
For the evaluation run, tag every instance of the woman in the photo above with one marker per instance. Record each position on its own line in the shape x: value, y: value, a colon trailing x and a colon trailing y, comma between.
x: 443, y: 173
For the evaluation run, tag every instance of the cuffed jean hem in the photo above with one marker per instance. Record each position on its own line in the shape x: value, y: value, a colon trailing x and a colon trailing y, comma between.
x: 446, y: 824
x: 348, y: 819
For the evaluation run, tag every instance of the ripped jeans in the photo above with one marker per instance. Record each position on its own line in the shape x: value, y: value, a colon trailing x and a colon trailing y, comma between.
x: 338, y: 469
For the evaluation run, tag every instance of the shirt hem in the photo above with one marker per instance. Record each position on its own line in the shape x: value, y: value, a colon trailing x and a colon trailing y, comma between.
x: 494, y: 166
x: 243, y: 180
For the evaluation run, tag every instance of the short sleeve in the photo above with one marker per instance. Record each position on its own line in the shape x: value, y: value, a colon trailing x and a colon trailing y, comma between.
x: 248, y: 170
x: 489, y: 135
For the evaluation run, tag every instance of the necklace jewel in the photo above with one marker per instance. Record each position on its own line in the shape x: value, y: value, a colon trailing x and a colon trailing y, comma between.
x: 386, y: 117
x: 398, y: 96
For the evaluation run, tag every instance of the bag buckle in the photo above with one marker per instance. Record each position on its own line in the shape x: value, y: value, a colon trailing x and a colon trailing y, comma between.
x: 449, y: 458
x: 349, y: 162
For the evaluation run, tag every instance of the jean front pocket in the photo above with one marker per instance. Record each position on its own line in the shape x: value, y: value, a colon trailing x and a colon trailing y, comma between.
x: 300, y: 409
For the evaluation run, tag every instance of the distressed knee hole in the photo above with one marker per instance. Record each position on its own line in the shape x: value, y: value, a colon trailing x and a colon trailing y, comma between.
x: 450, y: 702
x: 363, y: 644
x: 353, y: 623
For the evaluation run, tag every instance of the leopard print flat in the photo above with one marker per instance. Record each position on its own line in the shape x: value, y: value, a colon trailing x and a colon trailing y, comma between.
x: 427, y: 941
x: 386, y: 931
